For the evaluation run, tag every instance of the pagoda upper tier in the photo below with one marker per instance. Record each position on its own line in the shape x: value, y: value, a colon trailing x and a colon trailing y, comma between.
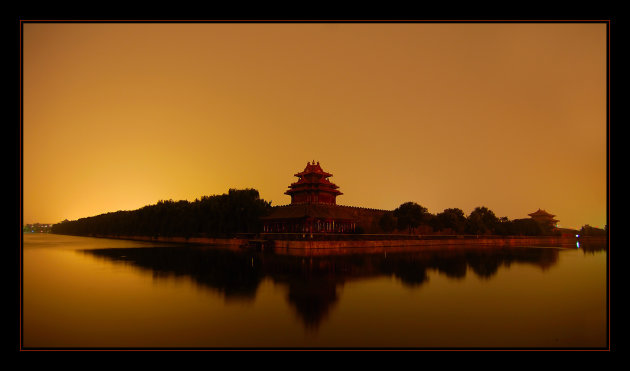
x: 542, y: 216
x: 313, y: 186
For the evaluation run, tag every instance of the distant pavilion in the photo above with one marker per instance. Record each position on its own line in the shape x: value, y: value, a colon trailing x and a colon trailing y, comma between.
x: 314, y: 208
x: 543, y: 217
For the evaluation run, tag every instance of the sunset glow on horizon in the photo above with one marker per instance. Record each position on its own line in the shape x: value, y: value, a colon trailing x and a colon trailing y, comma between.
x: 510, y: 116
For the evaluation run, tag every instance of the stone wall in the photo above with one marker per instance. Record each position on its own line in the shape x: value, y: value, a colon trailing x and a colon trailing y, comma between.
x: 366, y: 218
x: 481, y: 241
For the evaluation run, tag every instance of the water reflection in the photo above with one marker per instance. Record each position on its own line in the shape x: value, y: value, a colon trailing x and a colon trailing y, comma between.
x: 314, y: 281
x: 236, y: 276
x: 591, y: 247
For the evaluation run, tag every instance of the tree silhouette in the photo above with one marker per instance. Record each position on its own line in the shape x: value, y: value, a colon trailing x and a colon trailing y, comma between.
x: 587, y: 230
x: 482, y: 221
x: 387, y: 222
x: 238, y: 211
x: 525, y: 227
x: 410, y: 215
x: 453, y: 219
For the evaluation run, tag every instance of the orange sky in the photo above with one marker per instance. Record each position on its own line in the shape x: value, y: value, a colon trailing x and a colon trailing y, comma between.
x: 508, y: 116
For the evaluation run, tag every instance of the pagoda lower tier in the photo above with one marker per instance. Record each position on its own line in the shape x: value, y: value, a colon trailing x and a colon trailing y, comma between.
x: 321, y: 218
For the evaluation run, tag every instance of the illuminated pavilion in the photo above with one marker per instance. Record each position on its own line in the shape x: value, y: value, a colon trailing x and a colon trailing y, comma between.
x: 313, y: 186
x: 314, y: 208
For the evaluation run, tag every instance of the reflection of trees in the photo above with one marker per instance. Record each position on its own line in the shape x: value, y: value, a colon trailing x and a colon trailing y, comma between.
x: 592, y: 246
x: 410, y: 275
x: 485, y: 265
x: 231, y: 274
x: 410, y: 270
x: 313, y: 282
x: 452, y: 268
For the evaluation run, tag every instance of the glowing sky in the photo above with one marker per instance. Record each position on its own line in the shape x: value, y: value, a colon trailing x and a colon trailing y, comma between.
x: 508, y: 116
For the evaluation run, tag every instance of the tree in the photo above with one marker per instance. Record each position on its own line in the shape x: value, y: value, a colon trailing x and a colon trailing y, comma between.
x: 410, y: 215
x: 453, y: 219
x: 387, y: 222
x: 482, y: 221
x: 503, y: 226
x: 587, y: 230
x: 525, y: 227
x: 237, y: 211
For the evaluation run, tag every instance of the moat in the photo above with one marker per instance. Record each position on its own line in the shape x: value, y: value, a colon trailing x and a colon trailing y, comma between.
x: 82, y: 292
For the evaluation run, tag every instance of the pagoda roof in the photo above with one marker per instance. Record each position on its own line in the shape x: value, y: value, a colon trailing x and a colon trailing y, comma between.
x: 323, y: 190
x: 540, y: 212
x: 321, y: 181
x: 312, y: 168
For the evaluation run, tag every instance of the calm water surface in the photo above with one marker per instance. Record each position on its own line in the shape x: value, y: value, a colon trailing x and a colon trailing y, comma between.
x: 88, y: 292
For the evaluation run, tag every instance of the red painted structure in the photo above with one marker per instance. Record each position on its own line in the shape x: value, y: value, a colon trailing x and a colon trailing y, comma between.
x: 313, y: 186
x: 313, y: 207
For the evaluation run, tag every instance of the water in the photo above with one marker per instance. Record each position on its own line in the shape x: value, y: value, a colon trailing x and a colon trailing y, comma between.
x: 81, y: 292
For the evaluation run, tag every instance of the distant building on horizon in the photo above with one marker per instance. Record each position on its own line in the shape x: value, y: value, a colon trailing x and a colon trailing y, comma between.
x: 314, y: 208
x: 37, y: 228
x: 544, y: 218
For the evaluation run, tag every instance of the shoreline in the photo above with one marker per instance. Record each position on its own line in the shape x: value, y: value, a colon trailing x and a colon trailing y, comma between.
x: 306, y: 244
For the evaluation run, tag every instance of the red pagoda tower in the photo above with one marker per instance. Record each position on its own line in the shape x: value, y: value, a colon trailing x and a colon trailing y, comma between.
x: 313, y: 186
x: 314, y: 209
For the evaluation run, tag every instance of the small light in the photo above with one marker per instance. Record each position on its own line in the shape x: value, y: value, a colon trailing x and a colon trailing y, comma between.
x: 578, y: 244
x: 577, y: 235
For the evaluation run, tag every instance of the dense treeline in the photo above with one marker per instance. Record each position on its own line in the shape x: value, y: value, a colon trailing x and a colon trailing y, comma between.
x: 238, y: 211
x: 587, y: 230
x: 411, y: 217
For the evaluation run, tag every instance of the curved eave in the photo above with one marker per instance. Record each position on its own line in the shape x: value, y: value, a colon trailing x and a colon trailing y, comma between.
x: 540, y: 212
x: 313, y: 185
x: 307, y: 172
x: 331, y: 191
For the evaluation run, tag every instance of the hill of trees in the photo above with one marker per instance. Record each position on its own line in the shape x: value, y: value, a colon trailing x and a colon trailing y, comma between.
x: 238, y: 211
x: 482, y: 221
x: 587, y: 230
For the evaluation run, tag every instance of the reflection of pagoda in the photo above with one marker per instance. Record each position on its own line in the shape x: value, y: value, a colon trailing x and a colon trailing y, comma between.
x: 544, y: 218
x: 314, y: 283
x: 314, y: 208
